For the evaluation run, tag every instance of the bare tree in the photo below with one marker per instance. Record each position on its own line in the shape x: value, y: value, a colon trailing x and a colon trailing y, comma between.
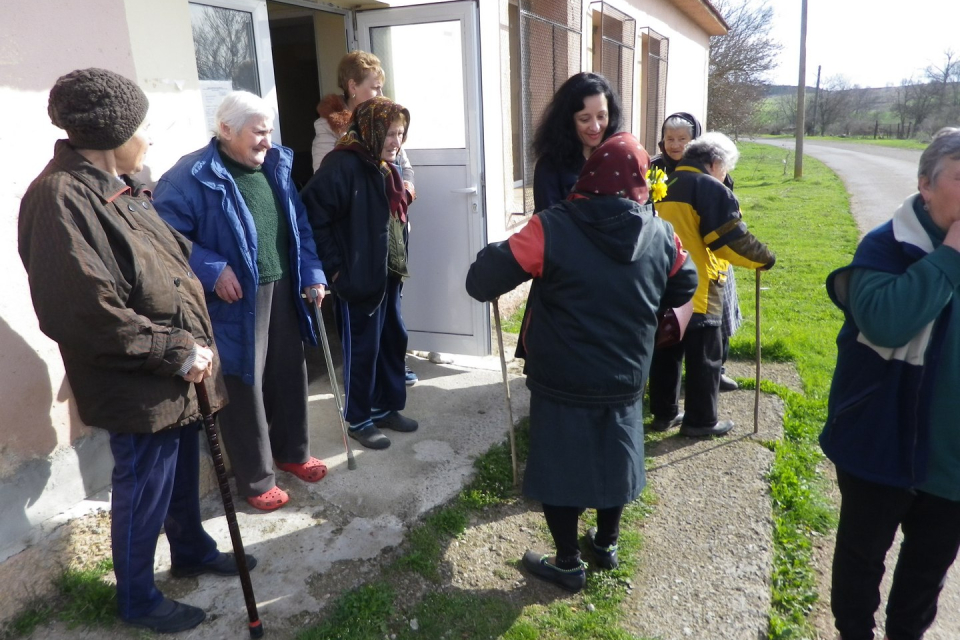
x: 835, y: 102
x: 739, y: 64
x: 921, y: 102
x: 943, y: 75
x: 223, y: 44
x: 901, y: 107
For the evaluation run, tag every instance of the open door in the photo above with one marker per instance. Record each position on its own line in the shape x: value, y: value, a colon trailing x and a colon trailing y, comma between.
x: 430, y: 57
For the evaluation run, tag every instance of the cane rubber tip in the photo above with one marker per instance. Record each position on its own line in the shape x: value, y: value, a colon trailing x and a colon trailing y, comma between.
x: 256, y: 629
x: 352, y: 464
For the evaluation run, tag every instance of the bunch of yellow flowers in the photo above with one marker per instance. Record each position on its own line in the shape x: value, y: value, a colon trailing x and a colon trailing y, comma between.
x: 657, y: 181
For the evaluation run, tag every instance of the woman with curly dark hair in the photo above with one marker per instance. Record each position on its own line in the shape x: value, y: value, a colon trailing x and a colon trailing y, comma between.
x: 584, y: 112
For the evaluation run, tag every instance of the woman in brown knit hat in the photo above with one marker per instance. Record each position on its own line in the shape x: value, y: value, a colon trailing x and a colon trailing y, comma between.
x: 112, y: 286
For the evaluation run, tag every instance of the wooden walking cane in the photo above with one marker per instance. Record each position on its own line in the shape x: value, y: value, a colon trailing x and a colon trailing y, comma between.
x: 256, y: 627
x: 756, y: 394
x: 506, y: 386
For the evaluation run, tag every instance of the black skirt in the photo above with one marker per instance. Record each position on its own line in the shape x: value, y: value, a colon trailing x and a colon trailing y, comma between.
x: 585, y: 457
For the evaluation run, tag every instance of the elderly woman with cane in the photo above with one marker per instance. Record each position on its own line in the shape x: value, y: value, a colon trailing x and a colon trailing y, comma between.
x: 254, y: 254
x: 706, y: 216
x: 111, y: 284
x: 603, y: 264
x: 358, y: 207
x: 892, y: 416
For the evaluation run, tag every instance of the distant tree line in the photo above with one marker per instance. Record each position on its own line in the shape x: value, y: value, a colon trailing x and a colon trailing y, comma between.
x: 741, y: 100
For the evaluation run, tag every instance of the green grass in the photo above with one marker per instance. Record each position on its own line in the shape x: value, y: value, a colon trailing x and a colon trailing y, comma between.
x: 880, y: 142
x: 81, y: 598
x: 807, y: 224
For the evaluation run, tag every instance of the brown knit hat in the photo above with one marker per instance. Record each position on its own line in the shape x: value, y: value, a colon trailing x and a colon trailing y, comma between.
x: 98, y: 109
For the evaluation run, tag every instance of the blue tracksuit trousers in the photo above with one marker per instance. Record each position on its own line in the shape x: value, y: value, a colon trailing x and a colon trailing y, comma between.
x: 155, y: 483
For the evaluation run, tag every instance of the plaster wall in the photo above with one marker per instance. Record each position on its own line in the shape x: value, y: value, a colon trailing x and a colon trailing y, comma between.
x: 50, y: 460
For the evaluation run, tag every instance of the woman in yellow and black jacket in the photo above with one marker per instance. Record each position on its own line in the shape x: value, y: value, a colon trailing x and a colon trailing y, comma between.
x: 706, y: 216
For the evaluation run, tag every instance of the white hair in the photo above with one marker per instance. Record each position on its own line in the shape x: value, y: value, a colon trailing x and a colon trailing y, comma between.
x: 713, y: 147
x: 237, y: 108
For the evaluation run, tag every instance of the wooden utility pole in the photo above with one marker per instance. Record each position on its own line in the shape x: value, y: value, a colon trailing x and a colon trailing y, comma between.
x: 801, y: 94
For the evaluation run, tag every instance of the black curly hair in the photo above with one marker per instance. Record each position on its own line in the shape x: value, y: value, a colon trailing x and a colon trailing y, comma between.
x: 556, y: 135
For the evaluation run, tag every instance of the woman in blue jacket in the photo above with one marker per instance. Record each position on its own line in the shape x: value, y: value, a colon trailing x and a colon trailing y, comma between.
x: 892, y: 415
x: 358, y: 207
x: 253, y: 253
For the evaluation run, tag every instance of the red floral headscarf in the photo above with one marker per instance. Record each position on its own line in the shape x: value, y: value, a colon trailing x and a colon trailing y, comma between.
x: 618, y: 167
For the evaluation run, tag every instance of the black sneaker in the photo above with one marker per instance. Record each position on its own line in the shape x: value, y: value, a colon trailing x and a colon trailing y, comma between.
x: 665, y: 424
x: 170, y: 616
x: 572, y: 580
x: 606, y: 556
x: 397, y: 422
x: 370, y: 437
x: 727, y: 383
x: 224, y: 565
x: 718, y: 429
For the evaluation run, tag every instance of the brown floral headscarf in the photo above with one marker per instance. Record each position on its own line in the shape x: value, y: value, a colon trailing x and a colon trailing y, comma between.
x: 366, y: 135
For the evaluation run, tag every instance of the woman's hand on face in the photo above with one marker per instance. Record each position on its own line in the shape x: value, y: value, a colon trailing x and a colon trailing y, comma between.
x: 953, y: 236
x: 202, y: 365
x: 227, y: 286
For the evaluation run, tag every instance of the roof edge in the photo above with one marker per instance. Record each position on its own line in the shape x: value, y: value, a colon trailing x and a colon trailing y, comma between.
x: 705, y: 15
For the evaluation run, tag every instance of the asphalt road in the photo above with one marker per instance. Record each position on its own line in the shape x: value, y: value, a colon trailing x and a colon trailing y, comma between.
x: 878, y: 179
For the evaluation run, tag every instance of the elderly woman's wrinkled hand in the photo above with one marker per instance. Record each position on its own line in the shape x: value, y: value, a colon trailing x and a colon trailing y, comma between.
x: 227, y: 286
x: 202, y: 365
x: 319, y: 288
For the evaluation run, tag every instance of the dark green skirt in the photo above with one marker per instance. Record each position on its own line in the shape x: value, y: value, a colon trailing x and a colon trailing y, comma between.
x: 586, y: 457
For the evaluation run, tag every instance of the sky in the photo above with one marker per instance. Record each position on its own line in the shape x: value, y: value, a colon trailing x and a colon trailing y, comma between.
x: 872, y: 43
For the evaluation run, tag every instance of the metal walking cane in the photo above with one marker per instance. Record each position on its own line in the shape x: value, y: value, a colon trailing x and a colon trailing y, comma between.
x: 255, y: 626
x: 332, y: 373
x: 756, y: 395
x: 506, y: 386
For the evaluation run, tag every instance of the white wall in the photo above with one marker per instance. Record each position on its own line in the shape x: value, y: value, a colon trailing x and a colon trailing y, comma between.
x: 49, y: 460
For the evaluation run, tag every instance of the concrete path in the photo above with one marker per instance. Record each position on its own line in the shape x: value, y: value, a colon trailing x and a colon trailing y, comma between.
x: 305, y: 549
x: 878, y: 180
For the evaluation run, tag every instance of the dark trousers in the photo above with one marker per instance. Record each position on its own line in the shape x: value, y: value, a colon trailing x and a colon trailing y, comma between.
x: 702, y: 348
x: 562, y: 522
x: 155, y: 483
x: 869, y: 516
x: 374, y: 347
x: 267, y: 420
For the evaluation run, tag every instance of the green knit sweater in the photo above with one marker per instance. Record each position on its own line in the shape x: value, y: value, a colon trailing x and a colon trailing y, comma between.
x: 273, y: 242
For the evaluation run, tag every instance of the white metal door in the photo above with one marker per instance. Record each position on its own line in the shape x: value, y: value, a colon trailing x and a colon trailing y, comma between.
x: 430, y: 57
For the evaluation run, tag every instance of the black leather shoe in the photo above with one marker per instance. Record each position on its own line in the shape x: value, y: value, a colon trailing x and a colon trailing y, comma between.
x: 170, y: 616
x: 396, y: 422
x: 370, y: 437
x: 665, y: 424
x: 572, y: 580
x: 224, y: 565
x: 718, y: 429
x: 727, y: 383
x: 606, y: 556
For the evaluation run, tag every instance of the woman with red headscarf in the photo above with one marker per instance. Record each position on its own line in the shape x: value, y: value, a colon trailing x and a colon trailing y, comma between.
x: 602, y: 266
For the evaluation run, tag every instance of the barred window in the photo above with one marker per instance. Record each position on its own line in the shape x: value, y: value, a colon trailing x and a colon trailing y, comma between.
x: 614, y: 41
x: 653, y: 107
x: 550, y: 42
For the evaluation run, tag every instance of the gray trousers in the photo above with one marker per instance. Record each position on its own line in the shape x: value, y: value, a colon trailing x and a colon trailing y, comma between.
x: 267, y: 421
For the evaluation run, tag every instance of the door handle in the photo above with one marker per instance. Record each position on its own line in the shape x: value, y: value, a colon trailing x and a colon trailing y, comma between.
x: 467, y: 190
